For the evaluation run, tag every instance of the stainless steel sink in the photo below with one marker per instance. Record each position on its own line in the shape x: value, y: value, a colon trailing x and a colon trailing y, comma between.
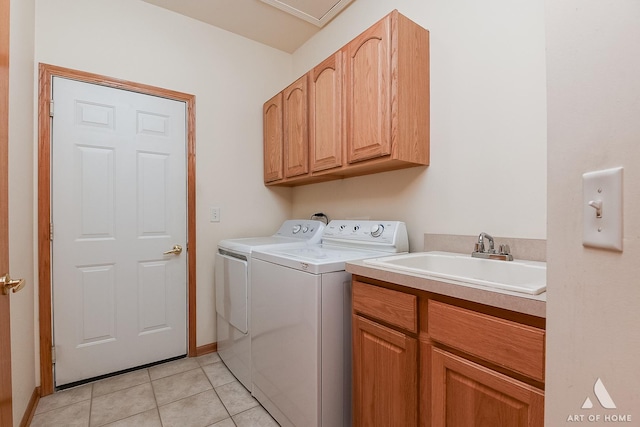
x: 528, y: 277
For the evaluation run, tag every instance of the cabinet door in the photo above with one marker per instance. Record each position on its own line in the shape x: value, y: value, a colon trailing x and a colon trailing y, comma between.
x: 296, y: 130
x: 465, y: 394
x: 325, y: 114
x: 272, y: 134
x: 385, y: 384
x: 368, y: 93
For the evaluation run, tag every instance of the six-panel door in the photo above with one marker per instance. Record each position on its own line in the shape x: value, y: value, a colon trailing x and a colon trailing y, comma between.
x: 118, y: 204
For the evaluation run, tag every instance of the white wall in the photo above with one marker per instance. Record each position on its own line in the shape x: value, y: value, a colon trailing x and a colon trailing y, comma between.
x: 488, y: 123
x: 21, y: 202
x: 230, y: 76
x: 593, y: 64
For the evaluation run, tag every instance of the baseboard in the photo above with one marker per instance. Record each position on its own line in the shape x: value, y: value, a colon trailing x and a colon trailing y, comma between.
x: 206, y: 349
x: 31, y: 408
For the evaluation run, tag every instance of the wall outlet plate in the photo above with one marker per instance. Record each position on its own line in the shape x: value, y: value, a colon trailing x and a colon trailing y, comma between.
x: 602, y: 209
x: 215, y: 215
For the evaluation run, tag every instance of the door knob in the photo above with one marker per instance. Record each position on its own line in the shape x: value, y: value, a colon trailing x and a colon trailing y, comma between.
x: 6, y: 284
x: 177, y: 250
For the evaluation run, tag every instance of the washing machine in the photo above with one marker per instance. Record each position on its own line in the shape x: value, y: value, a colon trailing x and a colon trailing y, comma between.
x: 301, y: 338
x: 233, y: 283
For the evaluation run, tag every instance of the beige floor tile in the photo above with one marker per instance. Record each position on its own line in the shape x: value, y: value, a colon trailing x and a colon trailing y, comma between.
x: 236, y: 398
x: 121, y: 404
x: 179, y: 386
x: 228, y: 422
x: 200, y: 410
x: 172, y: 368
x: 218, y: 374
x: 120, y: 382
x: 208, y: 359
x: 149, y: 418
x: 255, y: 417
x: 64, y: 398
x: 73, y: 415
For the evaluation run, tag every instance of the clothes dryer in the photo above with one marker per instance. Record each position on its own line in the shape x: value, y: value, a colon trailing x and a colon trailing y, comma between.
x: 233, y: 283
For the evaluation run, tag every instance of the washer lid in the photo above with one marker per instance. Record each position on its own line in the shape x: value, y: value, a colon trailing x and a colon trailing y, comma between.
x: 315, y: 259
x: 248, y: 244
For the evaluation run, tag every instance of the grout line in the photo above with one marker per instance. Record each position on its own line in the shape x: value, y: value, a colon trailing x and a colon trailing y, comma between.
x: 90, y: 406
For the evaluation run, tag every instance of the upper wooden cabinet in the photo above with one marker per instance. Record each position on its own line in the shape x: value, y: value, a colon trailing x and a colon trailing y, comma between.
x: 368, y: 82
x: 325, y: 114
x: 368, y: 106
x: 296, y: 130
x: 387, y: 92
x: 272, y: 130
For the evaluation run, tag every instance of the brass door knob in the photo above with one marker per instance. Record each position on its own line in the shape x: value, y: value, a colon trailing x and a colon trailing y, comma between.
x: 177, y: 250
x: 6, y: 284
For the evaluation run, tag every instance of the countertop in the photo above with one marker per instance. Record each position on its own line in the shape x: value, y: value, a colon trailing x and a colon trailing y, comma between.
x: 535, y: 305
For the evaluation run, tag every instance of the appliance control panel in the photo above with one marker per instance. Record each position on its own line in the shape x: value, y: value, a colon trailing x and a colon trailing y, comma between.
x: 305, y: 229
x: 379, y: 235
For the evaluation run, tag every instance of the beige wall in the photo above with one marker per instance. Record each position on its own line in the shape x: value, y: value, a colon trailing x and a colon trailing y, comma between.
x: 21, y: 202
x: 593, y: 69
x: 488, y: 123
x: 230, y: 76
x: 488, y: 140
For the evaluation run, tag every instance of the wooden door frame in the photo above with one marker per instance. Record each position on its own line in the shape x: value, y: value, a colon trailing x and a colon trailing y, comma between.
x: 46, y: 74
x: 6, y: 407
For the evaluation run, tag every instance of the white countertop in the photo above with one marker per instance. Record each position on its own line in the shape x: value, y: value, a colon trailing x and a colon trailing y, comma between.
x: 535, y: 305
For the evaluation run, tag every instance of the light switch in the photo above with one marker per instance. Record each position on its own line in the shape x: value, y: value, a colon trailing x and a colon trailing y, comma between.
x: 602, y: 209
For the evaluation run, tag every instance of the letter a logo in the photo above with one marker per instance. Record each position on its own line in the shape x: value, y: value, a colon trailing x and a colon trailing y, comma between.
x: 603, y: 397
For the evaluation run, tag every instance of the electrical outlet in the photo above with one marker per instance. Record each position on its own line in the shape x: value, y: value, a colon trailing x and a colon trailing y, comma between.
x: 215, y: 215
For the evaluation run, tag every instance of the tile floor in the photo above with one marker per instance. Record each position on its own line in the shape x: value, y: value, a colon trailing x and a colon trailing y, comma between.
x: 191, y: 392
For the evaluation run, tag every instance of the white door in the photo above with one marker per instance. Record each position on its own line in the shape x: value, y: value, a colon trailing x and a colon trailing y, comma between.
x: 118, y: 202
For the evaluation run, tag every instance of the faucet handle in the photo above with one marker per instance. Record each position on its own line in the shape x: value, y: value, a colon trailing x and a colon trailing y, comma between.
x: 505, y: 250
x: 479, y: 247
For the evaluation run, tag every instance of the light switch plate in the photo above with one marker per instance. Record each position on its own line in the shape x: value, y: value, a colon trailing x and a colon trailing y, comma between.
x: 602, y: 209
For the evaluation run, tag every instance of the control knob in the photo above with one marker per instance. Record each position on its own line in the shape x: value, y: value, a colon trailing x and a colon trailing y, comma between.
x: 296, y: 229
x: 376, y: 230
x: 305, y: 229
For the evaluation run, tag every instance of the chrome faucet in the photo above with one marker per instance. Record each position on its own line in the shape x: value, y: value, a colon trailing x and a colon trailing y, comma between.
x: 481, y: 238
x: 503, y: 253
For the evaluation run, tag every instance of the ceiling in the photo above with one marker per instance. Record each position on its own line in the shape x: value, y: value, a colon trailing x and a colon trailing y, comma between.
x: 282, y: 24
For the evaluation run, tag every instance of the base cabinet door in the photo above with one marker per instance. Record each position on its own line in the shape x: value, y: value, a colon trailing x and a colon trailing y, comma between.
x: 465, y: 394
x: 385, y: 383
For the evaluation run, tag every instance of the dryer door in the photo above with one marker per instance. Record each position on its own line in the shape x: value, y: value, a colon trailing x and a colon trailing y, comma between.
x: 232, y: 282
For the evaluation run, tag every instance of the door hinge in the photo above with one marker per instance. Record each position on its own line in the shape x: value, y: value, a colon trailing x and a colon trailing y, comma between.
x: 51, y: 108
x: 51, y: 232
x: 53, y: 354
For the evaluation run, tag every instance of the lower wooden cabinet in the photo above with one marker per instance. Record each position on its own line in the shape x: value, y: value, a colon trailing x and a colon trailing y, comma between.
x: 385, y: 389
x: 423, y: 359
x: 465, y: 394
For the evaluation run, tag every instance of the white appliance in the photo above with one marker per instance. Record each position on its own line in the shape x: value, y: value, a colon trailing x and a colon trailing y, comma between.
x: 233, y: 289
x: 301, y: 314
